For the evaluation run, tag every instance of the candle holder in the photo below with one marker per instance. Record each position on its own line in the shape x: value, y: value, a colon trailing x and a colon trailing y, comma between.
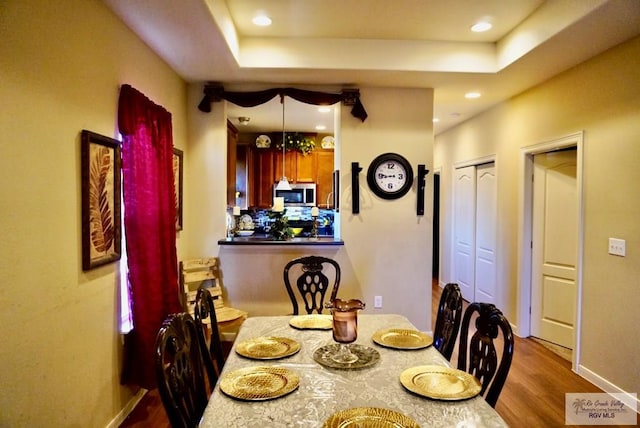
x: 236, y: 222
x: 345, y: 327
x: 314, y: 228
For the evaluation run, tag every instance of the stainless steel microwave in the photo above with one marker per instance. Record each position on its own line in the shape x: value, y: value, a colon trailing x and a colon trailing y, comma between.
x: 300, y: 195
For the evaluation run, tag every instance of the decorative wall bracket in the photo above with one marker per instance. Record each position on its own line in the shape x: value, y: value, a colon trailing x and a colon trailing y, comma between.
x: 422, y: 173
x: 355, y: 187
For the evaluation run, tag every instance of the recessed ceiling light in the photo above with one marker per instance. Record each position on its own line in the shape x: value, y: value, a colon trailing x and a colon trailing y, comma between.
x: 324, y: 109
x: 436, y: 120
x: 471, y: 95
x: 481, y: 27
x: 320, y: 127
x: 261, y: 20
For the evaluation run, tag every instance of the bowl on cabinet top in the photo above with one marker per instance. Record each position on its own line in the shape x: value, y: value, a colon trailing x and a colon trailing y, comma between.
x: 295, y: 231
x: 244, y: 232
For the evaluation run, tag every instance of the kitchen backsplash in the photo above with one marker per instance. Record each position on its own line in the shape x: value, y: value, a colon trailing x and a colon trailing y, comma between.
x: 297, y: 217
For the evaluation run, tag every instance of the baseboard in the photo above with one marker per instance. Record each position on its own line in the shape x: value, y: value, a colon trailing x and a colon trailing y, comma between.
x: 628, y: 399
x: 128, y: 408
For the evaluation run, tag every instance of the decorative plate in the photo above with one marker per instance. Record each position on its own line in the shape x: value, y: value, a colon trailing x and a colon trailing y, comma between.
x: 441, y: 383
x: 263, y: 141
x: 373, y: 417
x: 366, y: 356
x: 328, y: 142
x: 246, y: 222
x: 312, y: 322
x: 267, y: 348
x: 259, y: 383
x: 399, y: 338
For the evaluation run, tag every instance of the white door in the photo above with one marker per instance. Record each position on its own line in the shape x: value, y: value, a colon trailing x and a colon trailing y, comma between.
x: 485, y: 246
x: 554, y: 247
x: 464, y: 234
x: 475, y: 232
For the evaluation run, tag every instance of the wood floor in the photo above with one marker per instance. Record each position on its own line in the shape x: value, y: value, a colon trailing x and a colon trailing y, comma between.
x: 533, y: 395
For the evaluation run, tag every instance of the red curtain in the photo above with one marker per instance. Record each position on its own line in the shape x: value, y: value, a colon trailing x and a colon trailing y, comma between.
x: 150, y: 228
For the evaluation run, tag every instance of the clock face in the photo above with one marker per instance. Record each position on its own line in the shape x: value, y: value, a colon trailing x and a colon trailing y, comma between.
x: 390, y: 176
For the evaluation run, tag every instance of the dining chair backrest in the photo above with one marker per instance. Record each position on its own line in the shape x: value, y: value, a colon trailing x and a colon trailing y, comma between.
x: 311, y: 277
x: 179, y: 371
x: 205, y: 318
x: 480, y: 357
x: 448, y: 320
x: 205, y: 272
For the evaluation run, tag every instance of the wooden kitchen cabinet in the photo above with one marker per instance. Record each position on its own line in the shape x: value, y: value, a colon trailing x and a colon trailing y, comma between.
x: 290, y: 166
x: 298, y: 168
x: 306, y: 167
x: 324, y: 177
x: 263, y: 171
x: 265, y: 166
x: 232, y: 141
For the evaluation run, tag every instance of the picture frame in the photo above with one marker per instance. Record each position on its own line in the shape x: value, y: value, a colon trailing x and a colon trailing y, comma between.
x: 101, y: 166
x: 177, y: 183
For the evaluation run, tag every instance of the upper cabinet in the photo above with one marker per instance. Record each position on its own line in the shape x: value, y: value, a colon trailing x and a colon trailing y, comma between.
x: 299, y: 168
x: 324, y: 178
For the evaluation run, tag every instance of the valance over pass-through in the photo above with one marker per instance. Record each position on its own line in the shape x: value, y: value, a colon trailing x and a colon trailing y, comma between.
x: 216, y: 93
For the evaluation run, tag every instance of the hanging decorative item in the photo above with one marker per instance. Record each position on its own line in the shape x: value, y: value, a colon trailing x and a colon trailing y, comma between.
x: 298, y: 142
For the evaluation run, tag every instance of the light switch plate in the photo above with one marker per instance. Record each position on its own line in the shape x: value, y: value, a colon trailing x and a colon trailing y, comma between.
x: 617, y: 247
x: 377, y: 301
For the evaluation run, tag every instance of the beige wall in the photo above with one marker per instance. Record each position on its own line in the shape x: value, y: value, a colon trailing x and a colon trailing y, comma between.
x: 387, y: 248
x: 602, y: 98
x: 61, y: 64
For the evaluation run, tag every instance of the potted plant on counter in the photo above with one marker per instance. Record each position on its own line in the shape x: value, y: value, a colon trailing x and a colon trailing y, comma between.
x: 279, y: 229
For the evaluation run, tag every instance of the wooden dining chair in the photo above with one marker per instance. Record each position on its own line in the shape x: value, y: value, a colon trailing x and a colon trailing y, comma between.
x: 477, y: 354
x: 179, y: 371
x: 448, y: 320
x: 205, y: 318
x: 205, y: 272
x: 312, y: 277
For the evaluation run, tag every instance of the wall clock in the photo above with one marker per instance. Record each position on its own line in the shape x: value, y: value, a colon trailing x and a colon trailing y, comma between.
x: 390, y: 176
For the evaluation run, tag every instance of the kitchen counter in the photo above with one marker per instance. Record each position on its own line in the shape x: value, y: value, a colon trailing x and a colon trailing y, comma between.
x: 265, y: 240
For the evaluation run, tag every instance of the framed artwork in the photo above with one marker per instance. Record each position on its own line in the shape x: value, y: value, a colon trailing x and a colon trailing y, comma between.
x: 100, y: 174
x: 177, y: 183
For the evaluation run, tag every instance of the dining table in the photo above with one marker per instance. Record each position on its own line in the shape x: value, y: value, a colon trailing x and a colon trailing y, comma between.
x: 324, y: 394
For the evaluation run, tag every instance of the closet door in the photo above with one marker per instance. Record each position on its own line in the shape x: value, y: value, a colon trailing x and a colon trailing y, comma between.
x: 464, y: 235
x: 474, y: 260
x: 485, y: 261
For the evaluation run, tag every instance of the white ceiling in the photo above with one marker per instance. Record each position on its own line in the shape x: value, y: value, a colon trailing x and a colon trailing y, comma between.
x: 331, y: 44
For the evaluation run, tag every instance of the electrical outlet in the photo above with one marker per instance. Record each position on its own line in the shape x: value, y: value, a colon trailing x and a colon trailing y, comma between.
x: 377, y: 302
x: 617, y: 247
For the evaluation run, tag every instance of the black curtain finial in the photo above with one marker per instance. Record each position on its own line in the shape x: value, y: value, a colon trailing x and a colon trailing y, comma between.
x: 205, y: 104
